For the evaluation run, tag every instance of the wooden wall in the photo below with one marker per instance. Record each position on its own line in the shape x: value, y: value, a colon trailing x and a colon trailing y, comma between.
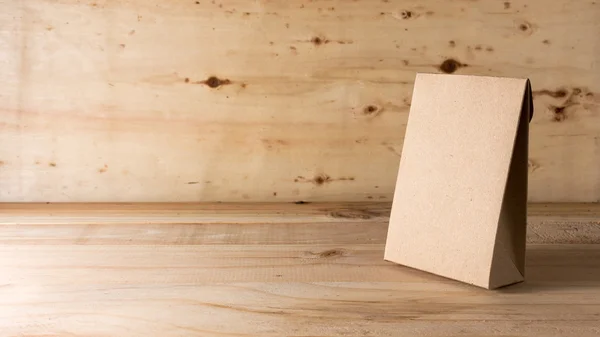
x: 230, y: 100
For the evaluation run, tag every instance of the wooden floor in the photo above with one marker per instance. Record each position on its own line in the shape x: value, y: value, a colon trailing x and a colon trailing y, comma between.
x: 274, y: 270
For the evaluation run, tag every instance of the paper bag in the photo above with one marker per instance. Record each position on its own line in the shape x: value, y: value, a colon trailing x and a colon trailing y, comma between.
x: 460, y: 202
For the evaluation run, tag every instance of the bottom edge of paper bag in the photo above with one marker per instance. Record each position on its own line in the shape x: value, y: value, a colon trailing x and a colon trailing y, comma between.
x: 487, y: 286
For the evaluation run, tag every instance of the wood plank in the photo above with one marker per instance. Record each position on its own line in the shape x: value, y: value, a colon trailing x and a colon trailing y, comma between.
x: 563, y: 212
x: 217, y: 224
x: 149, y: 100
x: 267, y: 270
x: 196, y: 264
x: 332, y: 233
x: 249, y: 212
x: 168, y: 213
x: 283, y: 290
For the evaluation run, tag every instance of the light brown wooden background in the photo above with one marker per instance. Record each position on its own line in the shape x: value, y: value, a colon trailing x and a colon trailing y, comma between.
x: 114, y: 100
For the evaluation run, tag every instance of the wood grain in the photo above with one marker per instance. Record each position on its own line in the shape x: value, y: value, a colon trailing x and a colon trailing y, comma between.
x: 226, y: 270
x: 283, y: 291
x: 263, y: 223
x: 230, y: 100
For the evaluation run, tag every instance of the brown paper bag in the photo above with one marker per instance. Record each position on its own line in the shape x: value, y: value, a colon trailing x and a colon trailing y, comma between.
x: 460, y: 203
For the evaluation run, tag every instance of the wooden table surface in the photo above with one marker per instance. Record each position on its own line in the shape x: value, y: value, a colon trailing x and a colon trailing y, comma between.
x: 274, y: 270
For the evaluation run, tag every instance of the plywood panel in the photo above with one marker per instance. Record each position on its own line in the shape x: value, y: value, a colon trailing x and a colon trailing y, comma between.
x: 273, y: 100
